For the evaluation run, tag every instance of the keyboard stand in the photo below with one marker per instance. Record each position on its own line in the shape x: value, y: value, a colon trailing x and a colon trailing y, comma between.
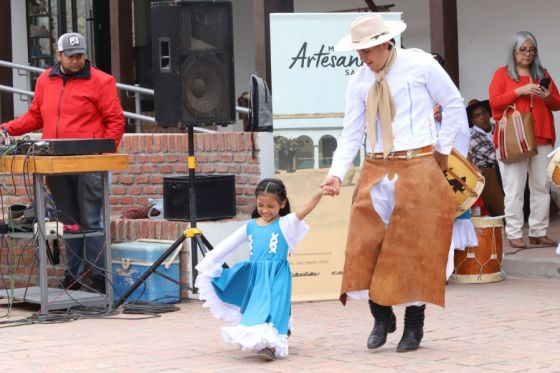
x: 41, y: 166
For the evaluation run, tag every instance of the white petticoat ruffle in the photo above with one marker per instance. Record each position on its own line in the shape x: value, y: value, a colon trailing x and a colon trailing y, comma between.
x: 464, y: 235
x: 220, y: 310
x: 249, y: 338
x: 255, y: 338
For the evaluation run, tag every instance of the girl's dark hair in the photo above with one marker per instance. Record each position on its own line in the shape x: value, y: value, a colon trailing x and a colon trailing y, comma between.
x: 276, y: 187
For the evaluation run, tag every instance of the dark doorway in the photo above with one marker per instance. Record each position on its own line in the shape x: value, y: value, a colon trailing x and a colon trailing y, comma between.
x: 102, y: 35
x: 143, y: 43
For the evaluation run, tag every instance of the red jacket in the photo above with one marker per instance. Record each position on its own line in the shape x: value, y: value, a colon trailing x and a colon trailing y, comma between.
x: 85, y: 106
x: 502, y: 93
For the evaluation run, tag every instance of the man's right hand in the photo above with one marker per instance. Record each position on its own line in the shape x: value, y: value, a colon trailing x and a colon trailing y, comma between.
x: 4, y: 136
x: 441, y: 160
x: 437, y: 113
x: 331, y: 185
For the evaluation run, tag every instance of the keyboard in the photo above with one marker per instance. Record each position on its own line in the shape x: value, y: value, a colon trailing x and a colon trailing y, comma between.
x: 66, y: 146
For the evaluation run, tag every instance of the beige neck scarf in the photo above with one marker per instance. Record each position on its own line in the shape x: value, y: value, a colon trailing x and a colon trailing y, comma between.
x: 380, y: 100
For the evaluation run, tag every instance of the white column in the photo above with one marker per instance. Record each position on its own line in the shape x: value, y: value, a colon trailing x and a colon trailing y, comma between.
x: 315, y: 156
x: 19, y: 55
x: 265, y: 142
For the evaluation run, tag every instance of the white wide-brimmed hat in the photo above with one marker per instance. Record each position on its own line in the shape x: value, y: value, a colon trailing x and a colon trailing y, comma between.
x: 369, y: 31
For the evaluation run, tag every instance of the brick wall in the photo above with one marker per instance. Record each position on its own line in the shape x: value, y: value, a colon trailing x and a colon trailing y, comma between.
x: 151, y: 158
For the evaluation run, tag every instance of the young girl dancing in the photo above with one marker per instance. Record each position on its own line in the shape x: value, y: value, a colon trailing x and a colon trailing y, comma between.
x: 255, y: 295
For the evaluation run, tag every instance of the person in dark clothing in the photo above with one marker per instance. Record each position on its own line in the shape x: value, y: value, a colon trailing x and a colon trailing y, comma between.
x: 73, y: 99
x: 482, y: 154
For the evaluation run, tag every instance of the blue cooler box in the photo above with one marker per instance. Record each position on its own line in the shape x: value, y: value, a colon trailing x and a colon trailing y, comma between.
x: 131, y: 259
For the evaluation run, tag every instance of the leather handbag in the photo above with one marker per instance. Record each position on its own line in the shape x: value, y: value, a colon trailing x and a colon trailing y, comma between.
x: 516, y: 136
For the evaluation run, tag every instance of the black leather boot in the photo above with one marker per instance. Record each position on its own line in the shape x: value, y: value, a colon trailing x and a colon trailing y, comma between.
x: 385, y: 322
x: 413, y: 329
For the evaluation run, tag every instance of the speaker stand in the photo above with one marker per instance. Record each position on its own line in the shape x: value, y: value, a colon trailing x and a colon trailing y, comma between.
x: 191, y: 164
x: 195, y: 234
x: 197, y: 238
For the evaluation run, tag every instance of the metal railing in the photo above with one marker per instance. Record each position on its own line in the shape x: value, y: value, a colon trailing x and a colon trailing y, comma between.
x: 137, y: 116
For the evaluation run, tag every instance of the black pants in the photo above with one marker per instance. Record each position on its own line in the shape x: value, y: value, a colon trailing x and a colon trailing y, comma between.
x: 79, y: 200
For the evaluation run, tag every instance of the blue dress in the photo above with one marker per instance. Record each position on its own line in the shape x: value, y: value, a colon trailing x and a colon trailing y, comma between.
x: 254, y: 294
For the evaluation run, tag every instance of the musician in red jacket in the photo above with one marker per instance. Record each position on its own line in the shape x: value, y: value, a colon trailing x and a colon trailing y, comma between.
x: 73, y: 99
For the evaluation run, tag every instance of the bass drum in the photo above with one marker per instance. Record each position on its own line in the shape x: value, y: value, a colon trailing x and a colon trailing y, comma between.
x: 483, y: 263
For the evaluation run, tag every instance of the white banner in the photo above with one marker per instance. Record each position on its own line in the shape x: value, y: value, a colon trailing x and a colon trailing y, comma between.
x: 308, y: 88
x: 307, y: 76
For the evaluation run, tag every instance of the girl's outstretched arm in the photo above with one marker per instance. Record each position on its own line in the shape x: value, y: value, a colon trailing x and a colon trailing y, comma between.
x: 211, y: 264
x: 310, y: 205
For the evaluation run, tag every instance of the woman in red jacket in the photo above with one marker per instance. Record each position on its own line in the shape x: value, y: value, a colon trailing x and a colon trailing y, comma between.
x: 519, y: 83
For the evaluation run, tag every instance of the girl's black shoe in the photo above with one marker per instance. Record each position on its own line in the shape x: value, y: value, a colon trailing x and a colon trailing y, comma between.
x: 267, y: 354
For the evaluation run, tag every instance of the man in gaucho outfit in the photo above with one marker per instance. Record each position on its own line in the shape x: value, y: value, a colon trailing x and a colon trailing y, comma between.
x: 403, y: 208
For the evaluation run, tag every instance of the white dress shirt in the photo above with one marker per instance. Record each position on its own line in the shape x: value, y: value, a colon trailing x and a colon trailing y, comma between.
x: 416, y: 81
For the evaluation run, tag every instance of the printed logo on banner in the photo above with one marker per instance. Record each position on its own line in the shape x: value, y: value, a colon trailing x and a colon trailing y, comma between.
x: 304, y: 65
x: 324, y: 57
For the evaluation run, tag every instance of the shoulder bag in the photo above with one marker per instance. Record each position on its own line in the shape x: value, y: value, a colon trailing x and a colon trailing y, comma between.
x: 516, y: 135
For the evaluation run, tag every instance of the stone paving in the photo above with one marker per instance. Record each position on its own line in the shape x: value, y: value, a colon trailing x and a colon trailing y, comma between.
x: 510, y: 326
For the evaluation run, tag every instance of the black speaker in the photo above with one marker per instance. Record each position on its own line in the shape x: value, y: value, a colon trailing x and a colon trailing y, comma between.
x: 215, y: 197
x: 192, y: 56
